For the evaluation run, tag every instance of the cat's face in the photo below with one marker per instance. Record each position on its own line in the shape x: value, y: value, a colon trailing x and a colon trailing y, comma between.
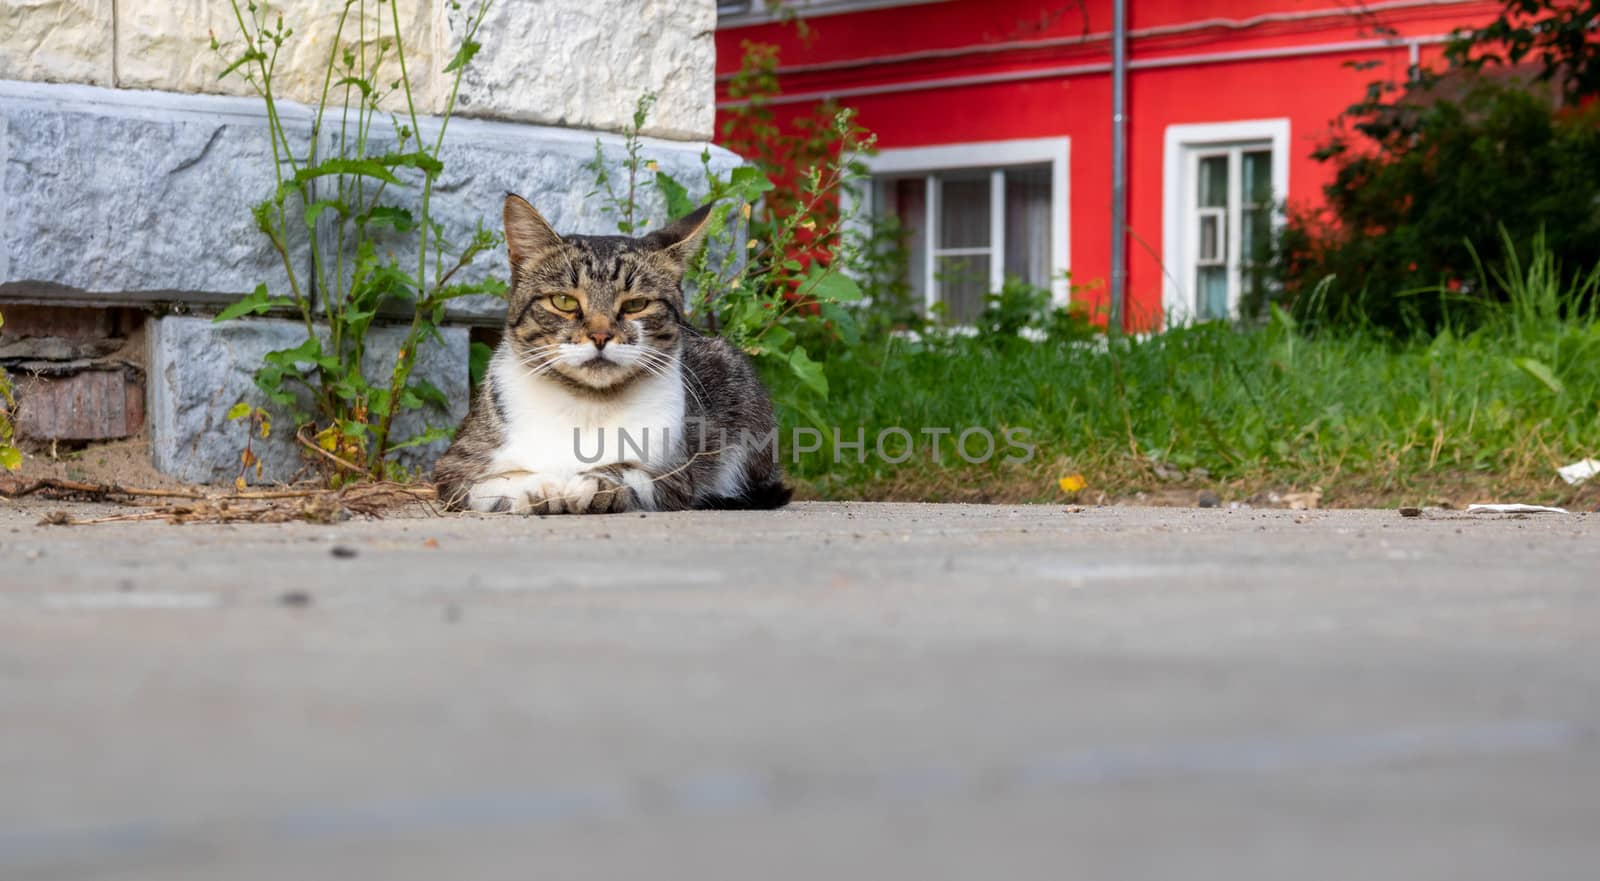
x: 595, y: 311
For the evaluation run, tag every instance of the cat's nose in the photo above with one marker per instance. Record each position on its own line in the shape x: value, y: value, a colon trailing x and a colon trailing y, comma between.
x: 600, y: 339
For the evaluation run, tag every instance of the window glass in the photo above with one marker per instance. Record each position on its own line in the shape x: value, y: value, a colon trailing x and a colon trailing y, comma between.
x: 1214, y: 182
x: 963, y: 282
x: 1256, y: 175
x: 1213, y: 293
x: 964, y: 212
x: 1212, y: 246
x: 906, y: 199
x: 1028, y: 229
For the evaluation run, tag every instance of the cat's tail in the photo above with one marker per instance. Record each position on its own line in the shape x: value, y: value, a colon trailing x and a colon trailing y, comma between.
x: 755, y: 497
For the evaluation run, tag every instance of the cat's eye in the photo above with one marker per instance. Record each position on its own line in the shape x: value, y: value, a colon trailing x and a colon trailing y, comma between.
x: 565, y: 302
x: 637, y: 304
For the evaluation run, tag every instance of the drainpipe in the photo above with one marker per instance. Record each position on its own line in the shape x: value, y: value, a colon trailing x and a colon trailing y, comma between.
x: 1119, y: 163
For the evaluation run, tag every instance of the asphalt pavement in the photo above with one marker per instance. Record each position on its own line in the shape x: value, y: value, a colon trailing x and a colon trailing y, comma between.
x: 843, y: 691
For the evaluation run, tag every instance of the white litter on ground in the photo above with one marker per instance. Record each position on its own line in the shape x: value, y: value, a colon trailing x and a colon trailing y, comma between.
x: 1578, y: 472
x: 1515, y: 509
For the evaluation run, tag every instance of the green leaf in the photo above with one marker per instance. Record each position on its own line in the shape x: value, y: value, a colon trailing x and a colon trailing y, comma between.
x: 269, y: 379
x: 1540, y: 371
x: 360, y: 167
x: 246, y: 58
x: 430, y: 393
x: 463, y: 55
x: 309, y: 351
x: 315, y: 209
x: 748, y: 182
x: 427, y: 437
x: 397, y: 219
x: 844, y: 323
x: 363, y: 85
x: 809, y: 371
x: 10, y: 457
x: 238, y: 411
x: 827, y: 283
x: 378, y: 403
x: 417, y: 159
x: 776, y: 338
x: 678, y: 202
x: 253, y: 303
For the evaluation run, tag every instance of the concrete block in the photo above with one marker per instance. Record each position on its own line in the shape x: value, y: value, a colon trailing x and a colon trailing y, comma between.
x: 107, y: 190
x: 118, y: 191
x: 199, y: 369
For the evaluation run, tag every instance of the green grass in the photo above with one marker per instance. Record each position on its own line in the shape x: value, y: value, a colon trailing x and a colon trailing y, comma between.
x: 1461, y: 416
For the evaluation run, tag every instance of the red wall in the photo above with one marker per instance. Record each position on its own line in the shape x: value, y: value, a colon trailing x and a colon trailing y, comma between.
x: 1310, y: 90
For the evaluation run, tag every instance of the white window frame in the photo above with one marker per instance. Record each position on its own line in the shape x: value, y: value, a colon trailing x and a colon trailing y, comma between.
x: 1185, y: 144
x: 998, y: 155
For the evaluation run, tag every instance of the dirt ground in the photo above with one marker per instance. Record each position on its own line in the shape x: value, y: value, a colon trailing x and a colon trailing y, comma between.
x: 127, y: 463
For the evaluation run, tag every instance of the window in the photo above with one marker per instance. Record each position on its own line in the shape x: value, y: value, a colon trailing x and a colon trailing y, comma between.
x: 972, y: 218
x: 1222, y: 184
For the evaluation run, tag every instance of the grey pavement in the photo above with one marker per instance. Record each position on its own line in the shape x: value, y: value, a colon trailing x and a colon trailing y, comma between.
x: 827, y: 691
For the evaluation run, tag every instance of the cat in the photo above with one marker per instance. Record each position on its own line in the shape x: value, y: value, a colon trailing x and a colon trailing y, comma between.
x: 600, y: 397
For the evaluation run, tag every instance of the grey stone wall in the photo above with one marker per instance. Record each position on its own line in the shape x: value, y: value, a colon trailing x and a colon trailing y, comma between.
x: 107, y: 190
x: 199, y: 369
x: 116, y: 191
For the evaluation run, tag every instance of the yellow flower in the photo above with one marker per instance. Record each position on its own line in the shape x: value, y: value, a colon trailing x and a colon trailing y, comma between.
x: 1072, y: 483
x: 653, y: 165
x: 744, y: 210
x: 750, y: 245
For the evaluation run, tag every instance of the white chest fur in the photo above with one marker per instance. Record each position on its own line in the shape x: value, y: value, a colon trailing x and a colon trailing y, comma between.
x: 550, y: 430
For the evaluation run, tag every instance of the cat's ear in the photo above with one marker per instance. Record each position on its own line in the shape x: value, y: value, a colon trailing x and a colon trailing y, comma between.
x: 527, y: 232
x: 679, y: 239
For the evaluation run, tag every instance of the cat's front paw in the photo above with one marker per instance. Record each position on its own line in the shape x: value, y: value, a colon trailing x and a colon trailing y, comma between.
x: 596, y: 492
x: 520, y: 493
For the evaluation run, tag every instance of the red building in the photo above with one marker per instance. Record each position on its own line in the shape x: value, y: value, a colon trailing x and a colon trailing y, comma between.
x: 995, y: 129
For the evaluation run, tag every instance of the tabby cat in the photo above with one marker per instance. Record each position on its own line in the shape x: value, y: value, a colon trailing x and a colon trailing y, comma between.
x: 600, y: 397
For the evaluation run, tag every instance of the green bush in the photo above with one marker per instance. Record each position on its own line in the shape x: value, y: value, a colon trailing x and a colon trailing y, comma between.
x: 1436, y: 185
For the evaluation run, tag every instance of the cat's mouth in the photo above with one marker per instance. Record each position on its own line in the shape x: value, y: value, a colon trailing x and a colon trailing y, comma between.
x: 599, y: 367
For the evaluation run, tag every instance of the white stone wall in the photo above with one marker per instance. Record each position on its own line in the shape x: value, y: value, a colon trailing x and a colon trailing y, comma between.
x: 584, y: 63
x: 59, y: 41
x: 574, y: 63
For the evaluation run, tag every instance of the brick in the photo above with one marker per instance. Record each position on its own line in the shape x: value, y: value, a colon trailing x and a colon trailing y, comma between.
x: 87, y: 406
